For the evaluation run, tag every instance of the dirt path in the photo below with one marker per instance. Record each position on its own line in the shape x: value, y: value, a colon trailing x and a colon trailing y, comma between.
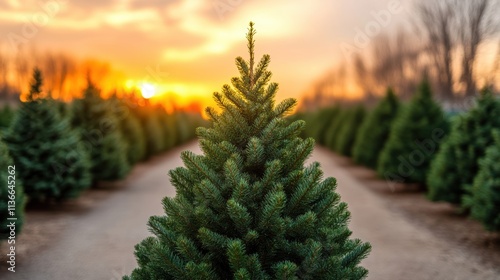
x: 401, y: 250
x: 98, y: 244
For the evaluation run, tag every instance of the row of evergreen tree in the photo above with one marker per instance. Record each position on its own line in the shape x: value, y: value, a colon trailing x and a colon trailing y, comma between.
x: 454, y: 156
x: 61, y: 149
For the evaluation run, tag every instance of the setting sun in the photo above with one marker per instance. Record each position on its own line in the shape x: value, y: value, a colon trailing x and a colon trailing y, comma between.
x: 147, y: 90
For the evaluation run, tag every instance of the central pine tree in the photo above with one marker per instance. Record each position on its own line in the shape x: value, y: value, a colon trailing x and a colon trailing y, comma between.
x: 248, y: 208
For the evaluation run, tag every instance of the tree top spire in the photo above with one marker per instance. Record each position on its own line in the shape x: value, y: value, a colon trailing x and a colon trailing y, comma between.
x: 251, y: 47
x: 36, y: 84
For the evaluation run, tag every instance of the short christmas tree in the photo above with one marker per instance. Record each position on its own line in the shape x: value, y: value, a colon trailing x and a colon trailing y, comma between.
x: 476, y: 136
x: 333, y: 132
x: 6, y: 117
x: 155, y: 138
x: 484, y: 195
x: 168, y: 127
x: 457, y: 164
x: 322, y: 135
x: 444, y: 181
x: 415, y: 137
x: 130, y: 127
x: 374, y: 131
x: 185, y: 126
x: 349, y: 130
x: 320, y: 123
x: 10, y: 190
x: 100, y: 132
x: 248, y: 208
x: 50, y: 160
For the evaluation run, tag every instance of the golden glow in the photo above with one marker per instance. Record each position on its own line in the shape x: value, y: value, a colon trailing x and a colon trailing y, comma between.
x: 147, y: 90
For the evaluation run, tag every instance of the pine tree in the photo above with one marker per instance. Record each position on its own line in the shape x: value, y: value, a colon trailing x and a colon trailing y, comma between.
x: 50, y: 160
x: 349, y: 130
x: 185, y: 129
x: 12, y: 189
x: 130, y: 128
x: 320, y: 123
x: 374, y: 131
x: 154, y: 135
x: 414, y: 139
x: 6, y: 117
x: 298, y: 116
x: 332, y: 134
x: 457, y: 164
x: 168, y: 128
x: 248, y: 208
x: 100, y: 132
x: 444, y: 179
x: 484, y: 195
x: 476, y: 136
x: 323, y: 133
x: 310, y: 118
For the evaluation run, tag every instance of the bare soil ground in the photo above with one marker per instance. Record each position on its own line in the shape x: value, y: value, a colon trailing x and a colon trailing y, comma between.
x: 443, y: 220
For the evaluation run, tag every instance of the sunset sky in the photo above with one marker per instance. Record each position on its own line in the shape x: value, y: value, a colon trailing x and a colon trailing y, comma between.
x: 193, y: 43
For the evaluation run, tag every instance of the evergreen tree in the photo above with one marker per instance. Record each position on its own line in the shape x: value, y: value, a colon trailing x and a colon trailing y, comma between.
x: 185, y: 129
x: 298, y: 116
x: 6, y: 117
x: 153, y: 132
x: 484, y: 195
x: 374, y: 131
x: 349, y: 130
x: 444, y: 180
x: 320, y: 122
x: 50, y: 160
x: 130, y: 128
x: 333, y: 130
x: 248, y: 208
x: 414, y: 139
x: 476, y: 136
x: 100, y: 131
x: 310, y: 118
x: 322, y: 135
x: 62, y: 107
x: 316, y: 120
x: 455, y: 167
x: 168, y: 128
x: 9, y: 189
